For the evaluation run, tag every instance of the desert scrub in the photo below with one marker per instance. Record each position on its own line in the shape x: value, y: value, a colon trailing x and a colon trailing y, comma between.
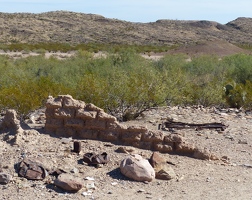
x: 29, y: 94
x: 123, y: 83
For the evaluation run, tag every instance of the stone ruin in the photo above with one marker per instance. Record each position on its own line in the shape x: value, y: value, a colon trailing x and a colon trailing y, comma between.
x: 68, y: 117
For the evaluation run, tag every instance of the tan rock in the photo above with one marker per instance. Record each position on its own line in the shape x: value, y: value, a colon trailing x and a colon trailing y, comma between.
x: 68, y: 182
x: 137, y: 168
x: 162, y: 169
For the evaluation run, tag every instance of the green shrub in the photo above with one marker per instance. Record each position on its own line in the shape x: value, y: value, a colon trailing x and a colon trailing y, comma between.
x: 29, y: 94
x: 124, y: 83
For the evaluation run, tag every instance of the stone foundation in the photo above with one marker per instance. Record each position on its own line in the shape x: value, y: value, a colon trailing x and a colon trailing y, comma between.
x: 68, y: 117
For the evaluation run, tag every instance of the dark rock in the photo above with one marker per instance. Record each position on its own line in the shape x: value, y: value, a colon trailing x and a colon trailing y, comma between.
x: 5, y: 178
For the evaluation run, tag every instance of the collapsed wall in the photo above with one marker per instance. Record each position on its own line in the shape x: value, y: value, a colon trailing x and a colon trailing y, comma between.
x: 68, y: 117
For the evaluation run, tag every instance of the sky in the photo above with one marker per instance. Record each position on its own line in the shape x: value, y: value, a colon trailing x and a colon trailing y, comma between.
x: 222, y: 11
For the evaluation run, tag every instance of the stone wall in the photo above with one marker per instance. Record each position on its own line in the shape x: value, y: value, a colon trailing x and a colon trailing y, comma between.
x: 68, y: 117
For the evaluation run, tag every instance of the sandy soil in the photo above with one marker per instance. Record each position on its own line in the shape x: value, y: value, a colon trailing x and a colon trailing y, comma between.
x: 229, y: 177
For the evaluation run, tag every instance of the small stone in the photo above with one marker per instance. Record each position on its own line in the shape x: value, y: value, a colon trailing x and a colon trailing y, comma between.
x: 114, y: 183
x: 66, y: 140
x: 90, y: 186
x: 5, y: 178
x: 85, y: 194
x: 89, y: 178
x: 140, y: 190
x: 242, y: 142
x: 74, y: 170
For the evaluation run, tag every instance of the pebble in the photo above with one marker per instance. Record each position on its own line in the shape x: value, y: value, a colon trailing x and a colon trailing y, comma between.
x: 66, y: 140
x: 114, y: 183
x: 89, y: 178
x: 74, y: 170
x: 86, y: 194
x: 140, y: 190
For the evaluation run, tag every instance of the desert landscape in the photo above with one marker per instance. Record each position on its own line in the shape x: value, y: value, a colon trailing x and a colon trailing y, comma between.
x: 39, y: 157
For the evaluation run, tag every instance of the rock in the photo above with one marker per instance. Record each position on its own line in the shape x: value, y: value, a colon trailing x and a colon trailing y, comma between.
x: 156, y: 159
x: 31, y: 170
x: 10, y: 120
x: 66, y: 140
x: 127, y: 150
x: 5, y: 178
x: 166, y: 173
x: 202, y: 154
x: 162, y: 169
x: 68, y: 182
x: 137, y: 168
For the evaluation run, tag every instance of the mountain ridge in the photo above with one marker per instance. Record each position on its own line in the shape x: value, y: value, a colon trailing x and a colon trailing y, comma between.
x: 76, y: 28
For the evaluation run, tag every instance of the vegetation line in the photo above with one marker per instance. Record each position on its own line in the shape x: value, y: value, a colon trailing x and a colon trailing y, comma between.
x: 125, y: 84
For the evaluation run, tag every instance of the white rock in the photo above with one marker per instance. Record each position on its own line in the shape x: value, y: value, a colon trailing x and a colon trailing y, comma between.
x: 137, y: 168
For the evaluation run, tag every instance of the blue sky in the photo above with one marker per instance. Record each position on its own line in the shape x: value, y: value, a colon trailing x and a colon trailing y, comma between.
x: 221, y: 11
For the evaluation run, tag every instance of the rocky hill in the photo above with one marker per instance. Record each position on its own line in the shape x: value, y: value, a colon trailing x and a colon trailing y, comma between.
x: 74, y: 28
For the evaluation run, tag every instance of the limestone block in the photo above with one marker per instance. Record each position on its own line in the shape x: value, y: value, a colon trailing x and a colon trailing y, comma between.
x: 139, y: 129
x: 54, y: 123
x: 163, y: 148
x: 66, y: 132
x: 78, y: 123
x: 104, y: 116
x: 88, y: 134
x: 110, y: 136
x: 10, y: 120
x: 142, y: 145
x: 131, y: 137
x: 92, y: 107
x: 184, y: 148
x: 53, y: 102
x: 64, y: 112
x: 202, y: 153
x: 49, y: 113
x: 154, y: 136
x: 49, y: 129
x: 95, y: 124
x: 69, y: 102
x: 81, y: 113
x: 173, y: 138
x: 116, y: 126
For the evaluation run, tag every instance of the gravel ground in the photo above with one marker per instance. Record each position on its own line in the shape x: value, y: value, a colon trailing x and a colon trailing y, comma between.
x: 229, y: 177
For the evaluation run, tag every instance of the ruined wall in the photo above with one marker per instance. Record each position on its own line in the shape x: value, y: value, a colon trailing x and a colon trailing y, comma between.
x: 68, y: 117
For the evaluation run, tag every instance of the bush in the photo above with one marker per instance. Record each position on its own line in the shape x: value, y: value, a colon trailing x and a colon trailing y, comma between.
x: 124, y: 83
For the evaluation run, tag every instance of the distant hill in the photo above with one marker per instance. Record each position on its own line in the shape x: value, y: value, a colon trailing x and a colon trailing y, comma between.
x: 75, y: 28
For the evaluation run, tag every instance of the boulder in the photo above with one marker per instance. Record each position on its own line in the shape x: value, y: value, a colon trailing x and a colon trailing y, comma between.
x: 137, y: 168
x: 68, y: 182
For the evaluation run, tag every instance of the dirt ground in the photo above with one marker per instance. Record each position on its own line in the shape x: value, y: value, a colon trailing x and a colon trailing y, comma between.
x: 230, y: 177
